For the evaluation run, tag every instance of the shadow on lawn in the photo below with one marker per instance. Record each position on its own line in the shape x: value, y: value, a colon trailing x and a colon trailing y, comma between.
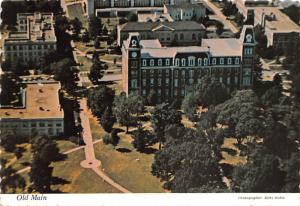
x: 149, y: 150
x: 123, y: 150
x: 59, y: 181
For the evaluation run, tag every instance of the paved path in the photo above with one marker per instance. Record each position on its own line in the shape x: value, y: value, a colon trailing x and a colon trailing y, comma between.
x: 91, y: 162
x: 219, y: 13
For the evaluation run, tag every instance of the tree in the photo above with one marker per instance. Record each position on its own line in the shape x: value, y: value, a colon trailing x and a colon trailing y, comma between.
x: 104, y: 30
x: 162, y: 116
x: 8, y: 141
x: 142, y: 139
x: 100, y: 98
x: 10, y: 180
x: 77, y: 25
x: 132, y: 17
x: 127, y: 109
x: 45, y: 151
x: 292, y: 178
x: 10, y: 87
x: 97, y: 43
x: 261, y: 174
x: 85, y: 37
x: 65, y: 72
x: 95, y: 26
x: 293, y: 12
x: 107, y: 119
x: 220, y: 28
x: 190, y: 106
x: 210, y: 92
x: 96, y: 72
x: 152, y: 97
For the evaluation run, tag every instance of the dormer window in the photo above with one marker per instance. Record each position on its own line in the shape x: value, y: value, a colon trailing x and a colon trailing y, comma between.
x: 199, y: 62
x: 237, y: 60
x: 191, y: 61
x: 159, y: 62
x: 167, y: 62
x: 229, y: 61
x: 177, y: 62
x: 182, y: 62
x: 214, y: 61
x: 205, y: 61
x: 152, y: 62
x: 222, y: 61
x: 144, y: 62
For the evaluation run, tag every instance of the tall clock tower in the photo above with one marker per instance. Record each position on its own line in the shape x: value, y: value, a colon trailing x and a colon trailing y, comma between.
x: 248, y: 56
x: 131, y: 66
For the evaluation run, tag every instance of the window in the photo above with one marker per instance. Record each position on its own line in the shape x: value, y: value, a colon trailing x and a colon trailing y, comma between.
x: 181, y: 36
x: 221, y: 79
x: 193, y: 36
x: 159, y: 92
x: 199, y: 62
x: 159, y: 82
x: 176, y: 73
x: 167, y: 92
x: 228, y: 80
x: 167, y: 82
x: 229, y: 61
x: 176, y: 82
x: 237, y: 60
x: 144, y: 82
x: 160, y: 72
x: 144, y: 92
x: 167, y: 62
x: 214, y: 61
x: 144, y: 73
x: 205, y: 61
x: 182, y: 92
x: 167, y: 72
x: 144, y: 62
x: 182, y: 73
x: 191, y: 61
x: 236, y: 80
x: 246, y: 81
x: 176, y: 37
x: 134, y: 83
x: 151, y: 62
x: 182, y: 62
x: 248, y: 51
x: 58, y: 124
x: 159, y: 62
x: 177, y: 62
x: 152, y: 81
x: 191, y: 72
x: 33, y: 124
x: 222, y: 61
x: 191, y: 81
x: 42, y: 124
x: 152, y: 72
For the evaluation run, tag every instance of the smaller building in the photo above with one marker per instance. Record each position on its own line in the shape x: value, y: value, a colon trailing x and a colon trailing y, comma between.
x: 183, y: 33
x: 40, y: 112
x: 185, y: 12
x: 34, y: 38
x: 155, y: 17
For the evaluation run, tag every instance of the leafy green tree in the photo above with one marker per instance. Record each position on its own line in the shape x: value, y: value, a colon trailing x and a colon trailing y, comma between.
x: 127, y: 109
x: 96, y: 72
x: 210, y: 92
x: 8, y: 141
x: 162, y: 116
x: 132, y: 17
x: 10, y: 180
x: 10, y: 87
x: 104, y: 30
x: 292, y: 178
x: 190, y: 106
x: 95, y: 26
x: 151, y: 98
x: 97, y: 43
x: 100, y: 98
x: 85, y: 37
x: 107, y: 119
x: 77, y: 25
x: 142, y: 139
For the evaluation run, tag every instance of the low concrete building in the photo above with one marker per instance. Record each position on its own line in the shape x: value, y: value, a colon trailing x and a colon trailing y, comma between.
x: 183, y: 33
x: 40, y: 112
x: 186, y: 11
x: 34, y: 38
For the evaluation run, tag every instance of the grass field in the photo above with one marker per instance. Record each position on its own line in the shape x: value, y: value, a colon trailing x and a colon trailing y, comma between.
x: 124, y: 164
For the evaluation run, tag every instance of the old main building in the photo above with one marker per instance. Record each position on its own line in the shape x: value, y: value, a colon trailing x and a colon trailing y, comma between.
x: 171, y: 72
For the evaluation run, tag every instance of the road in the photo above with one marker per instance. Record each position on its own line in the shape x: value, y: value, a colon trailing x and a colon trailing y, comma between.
x: 222, y: 17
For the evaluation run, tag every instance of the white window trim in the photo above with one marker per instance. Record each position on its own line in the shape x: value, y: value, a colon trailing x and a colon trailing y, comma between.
x: 205, y: 61
x: 167, y: 62
x: 214, y: 61
x: 159, y: 62
x: 199, y: 61
x: 237, y: 60
x: 221, y: 60
x: 229, y: 61
x: 144, y: 62
x: 183, y: 62
x: 152, y: 62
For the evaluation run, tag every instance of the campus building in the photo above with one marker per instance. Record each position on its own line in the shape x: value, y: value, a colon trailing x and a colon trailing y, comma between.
x: 34, y: 38
x: 185, y: 11
x: 40, y: 112
x: 280, y: 30
x: 115, y: 6
x: 178, y: 32
x: 172, y: 72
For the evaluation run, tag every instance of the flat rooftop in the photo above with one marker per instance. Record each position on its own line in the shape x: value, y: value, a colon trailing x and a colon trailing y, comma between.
x: 224, y: 47
x: 42, y: 102
x: 281, y: 22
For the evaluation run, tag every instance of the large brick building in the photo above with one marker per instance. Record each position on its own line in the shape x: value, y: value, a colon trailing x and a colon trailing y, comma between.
x: 34, y: 38
x: 182, y: 32
x: 173, y: 71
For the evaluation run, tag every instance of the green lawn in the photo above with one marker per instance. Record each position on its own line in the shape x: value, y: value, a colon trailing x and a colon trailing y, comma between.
x: 131, y: 169
x: 86, y: 63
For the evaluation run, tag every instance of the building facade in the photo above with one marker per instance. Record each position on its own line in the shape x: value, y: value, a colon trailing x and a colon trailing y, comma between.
x: 40, y: 112
x: 169, y: 33
x: 172, y: 72
x: 186, y: 11
x: 34, y: 38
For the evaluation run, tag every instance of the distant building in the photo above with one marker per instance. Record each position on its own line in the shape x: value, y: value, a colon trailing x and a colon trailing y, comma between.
x: 280, y: 30
x: 182, y: 32
x: 40, y: 112
x: 186, y: 11
x: 155, y: 17
x: 34, y: 38
x: 172, y: 72
x: 114, y: 6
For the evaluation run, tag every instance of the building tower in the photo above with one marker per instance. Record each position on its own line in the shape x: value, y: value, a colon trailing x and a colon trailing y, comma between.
x: 248, y: 57
x: 131, y: 65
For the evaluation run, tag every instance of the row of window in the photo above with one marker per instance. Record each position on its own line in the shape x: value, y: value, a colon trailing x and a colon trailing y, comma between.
x: 191, y: 61
x: 29, y: 47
